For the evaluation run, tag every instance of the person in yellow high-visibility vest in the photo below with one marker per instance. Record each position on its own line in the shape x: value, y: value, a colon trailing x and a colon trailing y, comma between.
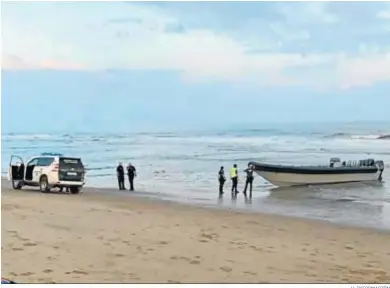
x: 234, y: 177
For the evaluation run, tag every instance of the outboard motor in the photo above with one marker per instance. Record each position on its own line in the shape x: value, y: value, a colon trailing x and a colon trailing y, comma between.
x: 334, y: 162
x: 381, y: 166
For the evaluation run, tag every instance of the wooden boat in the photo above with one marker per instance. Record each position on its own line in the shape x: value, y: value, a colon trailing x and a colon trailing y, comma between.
x: 335, y: 172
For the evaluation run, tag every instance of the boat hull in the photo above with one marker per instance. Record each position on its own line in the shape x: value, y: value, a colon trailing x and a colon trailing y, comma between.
x: 294, y: 179
x: 281, y: 175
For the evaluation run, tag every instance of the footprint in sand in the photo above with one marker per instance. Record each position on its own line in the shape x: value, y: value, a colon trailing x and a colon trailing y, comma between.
x: 17, y: 249
x: 27, y: 274
x: 29, y: 244
x: 16, y: 235
x: 46, y: 281
x: 225, y: 269
x: 256, y: 248
x: 47, y: 271
x: 79, y: 272
x: 207, y: 236
x: 21, y: 238
x: 238, y: 242
x: 189, y: 260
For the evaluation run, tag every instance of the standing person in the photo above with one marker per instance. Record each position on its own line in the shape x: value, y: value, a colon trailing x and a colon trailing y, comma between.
x: 120, y: 174
x: 131, y: 172
x: 62, y: 189
x: 221, y: 180
x: 234, y: 177
x: 249, y: 179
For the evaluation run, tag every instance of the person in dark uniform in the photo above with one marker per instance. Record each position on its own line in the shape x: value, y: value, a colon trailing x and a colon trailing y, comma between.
x: 62, y: 189
x: 249, y: 179
x: 234, y: 177
x: 120, y: 174
x: 221, y: 180
x: 131, y: 172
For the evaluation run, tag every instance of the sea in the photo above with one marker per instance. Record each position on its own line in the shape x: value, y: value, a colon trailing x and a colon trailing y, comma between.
x: 182, y: 166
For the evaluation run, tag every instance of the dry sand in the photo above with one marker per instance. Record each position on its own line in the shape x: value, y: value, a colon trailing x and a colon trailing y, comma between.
x: 93, y: 237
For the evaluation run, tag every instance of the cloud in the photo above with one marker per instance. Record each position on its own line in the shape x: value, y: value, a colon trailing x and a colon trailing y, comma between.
x: 385, y: 14
x: 307, y: 12
x: 364, y: 71
x: 61, y: 65
x: 286, y: 34
x: 13, y: 62
x: 149, y: 37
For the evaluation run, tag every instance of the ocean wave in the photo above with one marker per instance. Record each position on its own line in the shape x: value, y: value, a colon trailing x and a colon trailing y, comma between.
x: 384, y: 137
x: 365, y: 137
x: 359, y: 137
x: 99, y: 168
x: 338, y: 134
x: 28, y: 136
x: 260, y: 132
x: 99, y: 175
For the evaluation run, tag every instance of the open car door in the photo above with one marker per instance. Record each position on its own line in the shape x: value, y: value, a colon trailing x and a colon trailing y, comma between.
x: 16, y: 171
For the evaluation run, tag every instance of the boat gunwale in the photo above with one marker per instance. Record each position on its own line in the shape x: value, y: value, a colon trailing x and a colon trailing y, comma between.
x: 317, y: 170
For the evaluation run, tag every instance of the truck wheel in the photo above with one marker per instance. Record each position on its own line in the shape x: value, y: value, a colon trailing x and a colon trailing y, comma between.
x: 43, y: 184
x: 74, y: 190
x: 17, y: 185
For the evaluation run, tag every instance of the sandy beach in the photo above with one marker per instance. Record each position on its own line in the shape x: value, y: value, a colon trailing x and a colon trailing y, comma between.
x: 101, y: 238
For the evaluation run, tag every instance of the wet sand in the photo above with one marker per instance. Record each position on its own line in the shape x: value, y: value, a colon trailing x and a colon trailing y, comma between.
x: 111, y: 238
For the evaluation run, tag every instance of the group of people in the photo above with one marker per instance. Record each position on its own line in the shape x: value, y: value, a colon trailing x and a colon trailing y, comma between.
x: 132, y: 173
x: 120, y: 174
x: 234, y: 177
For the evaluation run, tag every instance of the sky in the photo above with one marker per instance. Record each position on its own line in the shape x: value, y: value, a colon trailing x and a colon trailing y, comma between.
x: 123, y: 66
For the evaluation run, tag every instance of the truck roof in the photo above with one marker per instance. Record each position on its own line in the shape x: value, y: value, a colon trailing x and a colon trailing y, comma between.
x: 51, y: 154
